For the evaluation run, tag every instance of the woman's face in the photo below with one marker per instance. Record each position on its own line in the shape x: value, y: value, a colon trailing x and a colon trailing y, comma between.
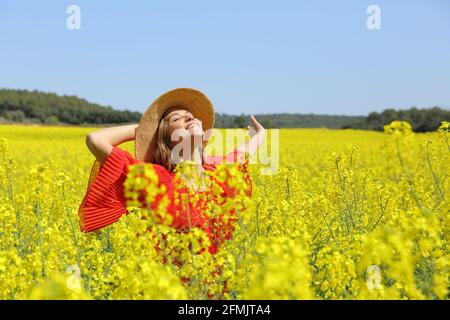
x: 181, y: 119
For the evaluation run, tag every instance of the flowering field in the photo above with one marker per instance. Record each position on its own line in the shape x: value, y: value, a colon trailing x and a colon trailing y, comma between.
x: 349, y: 215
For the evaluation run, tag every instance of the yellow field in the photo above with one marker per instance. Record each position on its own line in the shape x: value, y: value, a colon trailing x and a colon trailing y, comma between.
x: 349, y: 215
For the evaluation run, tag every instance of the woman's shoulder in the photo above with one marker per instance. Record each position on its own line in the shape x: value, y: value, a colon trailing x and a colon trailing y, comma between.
x: 121, y: 154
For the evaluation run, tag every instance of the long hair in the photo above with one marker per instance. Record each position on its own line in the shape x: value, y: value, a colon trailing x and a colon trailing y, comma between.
x: 163, y: 148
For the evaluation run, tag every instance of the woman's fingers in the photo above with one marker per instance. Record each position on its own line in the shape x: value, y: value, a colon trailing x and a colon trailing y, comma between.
x: 256, y: 124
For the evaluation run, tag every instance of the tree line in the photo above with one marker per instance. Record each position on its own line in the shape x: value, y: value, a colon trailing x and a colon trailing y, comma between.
x: 50, y: 108
x: 288, y: 120
x: 23, y: 106
x: 421, y: 120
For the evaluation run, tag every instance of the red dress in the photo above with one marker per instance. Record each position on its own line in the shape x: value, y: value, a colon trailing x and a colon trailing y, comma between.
x: 104, y: 202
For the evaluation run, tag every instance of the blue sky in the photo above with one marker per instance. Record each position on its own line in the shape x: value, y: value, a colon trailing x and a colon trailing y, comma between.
x: 247, y: 56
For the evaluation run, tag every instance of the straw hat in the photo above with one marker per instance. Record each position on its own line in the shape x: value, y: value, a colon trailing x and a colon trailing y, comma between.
x: 191, y: 99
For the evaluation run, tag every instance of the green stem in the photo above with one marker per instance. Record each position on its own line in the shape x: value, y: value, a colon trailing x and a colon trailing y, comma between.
x: 341, y: 184
x: 257, y: 218
x: 433, y: 173
x: 408, y: 176
x: 329, y: 229
x: 381, y: 215
x: 288, y: 189
x: 40, y: 240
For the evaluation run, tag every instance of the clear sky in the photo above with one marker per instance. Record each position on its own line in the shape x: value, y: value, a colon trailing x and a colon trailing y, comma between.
x: 251, y: 56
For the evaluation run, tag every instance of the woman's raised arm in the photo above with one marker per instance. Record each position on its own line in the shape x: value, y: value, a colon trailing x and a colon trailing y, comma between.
x: 257, y: 137
x: 101, y: 142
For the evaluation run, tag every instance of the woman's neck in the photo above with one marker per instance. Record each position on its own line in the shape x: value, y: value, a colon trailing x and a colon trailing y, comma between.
x: 197, y: 157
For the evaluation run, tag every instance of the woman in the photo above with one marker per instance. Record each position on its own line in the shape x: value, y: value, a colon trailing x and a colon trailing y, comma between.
x: 187, y: 112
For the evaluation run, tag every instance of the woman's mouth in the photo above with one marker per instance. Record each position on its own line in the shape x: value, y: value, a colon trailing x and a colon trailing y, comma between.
x: 191, y: 125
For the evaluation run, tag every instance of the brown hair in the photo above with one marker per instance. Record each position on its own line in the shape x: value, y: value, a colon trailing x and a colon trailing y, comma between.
x: 163, y: 148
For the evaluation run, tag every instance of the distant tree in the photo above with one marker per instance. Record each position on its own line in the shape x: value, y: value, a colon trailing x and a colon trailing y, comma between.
x: 239, y: 122
x: 51, y: 120
x: 421, y: 120
x: 267, y: 123
x: 15, y: 115
x: 389, y: 115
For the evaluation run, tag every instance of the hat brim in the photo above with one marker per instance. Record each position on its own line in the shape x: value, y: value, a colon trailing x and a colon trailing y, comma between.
x: 191, y: 99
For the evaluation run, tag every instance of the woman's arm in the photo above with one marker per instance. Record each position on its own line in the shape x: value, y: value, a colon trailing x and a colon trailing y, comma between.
x: 101, y: 142
x: 257, y: 137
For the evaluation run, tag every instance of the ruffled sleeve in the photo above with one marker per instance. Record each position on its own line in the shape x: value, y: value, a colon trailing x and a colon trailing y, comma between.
x: 104, y: 202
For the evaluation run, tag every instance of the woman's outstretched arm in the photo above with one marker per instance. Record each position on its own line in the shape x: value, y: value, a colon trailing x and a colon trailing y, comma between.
x: 101, y: 142
x: 257, y: 137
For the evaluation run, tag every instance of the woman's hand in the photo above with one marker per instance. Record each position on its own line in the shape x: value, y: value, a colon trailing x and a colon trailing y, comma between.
x: 255, y: 127
x: 257, y: 136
